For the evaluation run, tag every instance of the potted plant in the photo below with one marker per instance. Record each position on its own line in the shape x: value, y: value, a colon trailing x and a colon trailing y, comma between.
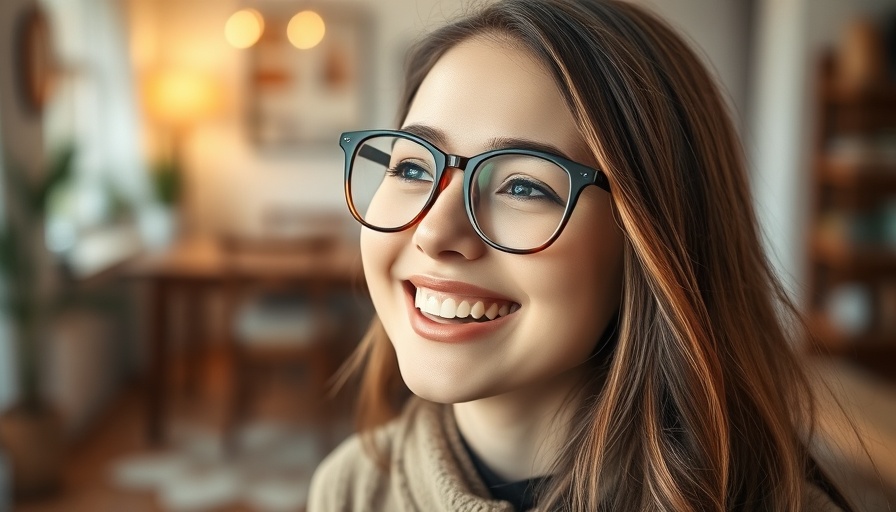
x: 31, y: 430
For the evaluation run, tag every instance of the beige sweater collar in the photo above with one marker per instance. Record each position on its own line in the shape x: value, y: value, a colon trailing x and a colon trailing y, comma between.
x: 433, y: 469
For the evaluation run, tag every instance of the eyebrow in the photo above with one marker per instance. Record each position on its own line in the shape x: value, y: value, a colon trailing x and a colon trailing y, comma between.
x: 438, y: 137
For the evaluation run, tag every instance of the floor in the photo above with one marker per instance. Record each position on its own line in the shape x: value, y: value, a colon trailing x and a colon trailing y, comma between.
x: 268, y: 469
x: 856, y: 432
x: 112, y: 470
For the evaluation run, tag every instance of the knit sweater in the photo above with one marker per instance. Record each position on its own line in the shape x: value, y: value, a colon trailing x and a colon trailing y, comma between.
x: 429, y: 470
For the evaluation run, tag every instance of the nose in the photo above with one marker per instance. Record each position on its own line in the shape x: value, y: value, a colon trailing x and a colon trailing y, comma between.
x: 445, y: 231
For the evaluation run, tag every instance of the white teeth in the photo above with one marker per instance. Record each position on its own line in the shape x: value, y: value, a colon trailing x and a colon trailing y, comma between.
x: 477, y: 310
x: 450, y: 308
x: 463, y: 310
x: 432, y: 306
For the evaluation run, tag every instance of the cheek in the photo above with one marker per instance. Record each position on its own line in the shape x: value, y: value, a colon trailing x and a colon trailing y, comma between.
x: 379, y: 252
x: 573, y: 306
x: 579, y: 278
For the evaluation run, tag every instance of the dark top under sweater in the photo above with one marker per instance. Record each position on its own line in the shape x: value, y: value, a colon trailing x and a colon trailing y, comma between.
x: 521, y: 494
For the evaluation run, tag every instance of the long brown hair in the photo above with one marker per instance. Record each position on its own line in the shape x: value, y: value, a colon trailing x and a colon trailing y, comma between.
x: 701, y: 405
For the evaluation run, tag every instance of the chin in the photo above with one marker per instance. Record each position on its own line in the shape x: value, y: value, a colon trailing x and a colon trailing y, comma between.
x: 440, y: 387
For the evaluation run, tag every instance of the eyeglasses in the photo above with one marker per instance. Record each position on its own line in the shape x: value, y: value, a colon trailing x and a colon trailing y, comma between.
x: 518, y: 200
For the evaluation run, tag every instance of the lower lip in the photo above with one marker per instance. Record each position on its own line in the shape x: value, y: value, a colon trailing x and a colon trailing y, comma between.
x: 450, y: 333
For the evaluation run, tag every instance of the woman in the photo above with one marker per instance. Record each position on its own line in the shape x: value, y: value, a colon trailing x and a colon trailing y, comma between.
x: 560, y: 246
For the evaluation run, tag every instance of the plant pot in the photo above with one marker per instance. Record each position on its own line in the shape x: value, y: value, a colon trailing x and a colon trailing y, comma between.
x: 158, y: 226
x: 33, y: 439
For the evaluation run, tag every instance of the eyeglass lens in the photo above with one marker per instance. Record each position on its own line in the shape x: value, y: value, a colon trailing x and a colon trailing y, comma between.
x: 518, y: 201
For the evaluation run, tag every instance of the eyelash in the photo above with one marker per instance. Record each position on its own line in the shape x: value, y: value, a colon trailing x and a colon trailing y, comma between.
x: 546, y: 191
x: 395, y: 170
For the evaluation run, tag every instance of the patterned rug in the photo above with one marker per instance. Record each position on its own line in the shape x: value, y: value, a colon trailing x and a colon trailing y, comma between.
x: 268, y: 470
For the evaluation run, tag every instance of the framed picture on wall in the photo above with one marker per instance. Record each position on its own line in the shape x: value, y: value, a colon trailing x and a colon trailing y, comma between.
x: 309, y: 73
x: 36, y: 64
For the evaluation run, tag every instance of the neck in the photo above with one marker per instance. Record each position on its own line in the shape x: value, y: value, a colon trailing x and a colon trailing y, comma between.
x: 520, y: 434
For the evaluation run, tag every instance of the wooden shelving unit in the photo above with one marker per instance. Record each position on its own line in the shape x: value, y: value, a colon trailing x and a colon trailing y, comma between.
x: 853, y: 177
x: 863, y: 177
x: 852, y: 262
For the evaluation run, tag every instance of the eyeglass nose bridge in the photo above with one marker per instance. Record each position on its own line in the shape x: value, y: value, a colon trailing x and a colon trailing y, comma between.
x: 451, y: 161
x: 456, y: 161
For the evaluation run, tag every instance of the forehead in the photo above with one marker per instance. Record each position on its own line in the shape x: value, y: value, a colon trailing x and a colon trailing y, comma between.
x: 485, y: 88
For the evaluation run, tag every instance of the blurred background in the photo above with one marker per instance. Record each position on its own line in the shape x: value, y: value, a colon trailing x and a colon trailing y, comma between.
x: 182, y: 279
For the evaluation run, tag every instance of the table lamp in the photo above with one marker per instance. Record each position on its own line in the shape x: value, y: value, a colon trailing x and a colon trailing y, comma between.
x: 176, y: 101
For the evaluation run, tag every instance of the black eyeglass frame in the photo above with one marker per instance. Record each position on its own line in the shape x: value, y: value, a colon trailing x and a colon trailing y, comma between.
x: 580, y: 176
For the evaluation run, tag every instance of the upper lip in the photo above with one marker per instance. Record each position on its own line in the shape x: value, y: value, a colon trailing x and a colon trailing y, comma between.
x: 455, y: 287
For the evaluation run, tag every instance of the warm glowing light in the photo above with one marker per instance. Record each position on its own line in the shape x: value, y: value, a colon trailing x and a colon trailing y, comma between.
x: 244, y: 28
x: 181, y: 97
x: 305, y: 30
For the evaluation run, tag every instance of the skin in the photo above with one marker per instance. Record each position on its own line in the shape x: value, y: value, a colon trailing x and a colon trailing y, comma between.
x: 509, y: 386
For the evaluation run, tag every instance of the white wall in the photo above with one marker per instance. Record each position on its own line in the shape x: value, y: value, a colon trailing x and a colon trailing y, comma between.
x: 93, y: 103
x: 720, y: 31
x: 776, y: 139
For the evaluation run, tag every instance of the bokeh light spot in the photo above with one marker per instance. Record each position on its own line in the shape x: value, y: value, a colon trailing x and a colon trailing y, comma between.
x: 244, y: 28
x: 306, y: 30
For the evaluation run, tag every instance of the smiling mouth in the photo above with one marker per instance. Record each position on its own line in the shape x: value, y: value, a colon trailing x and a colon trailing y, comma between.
x: 449, y: 308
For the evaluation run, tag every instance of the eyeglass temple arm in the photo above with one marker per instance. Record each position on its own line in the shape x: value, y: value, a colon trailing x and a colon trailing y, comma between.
x: 375, y: 155
x: 601, y: 180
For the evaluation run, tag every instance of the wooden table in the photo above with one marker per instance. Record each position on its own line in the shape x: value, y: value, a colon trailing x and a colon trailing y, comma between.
x: 197, y: 264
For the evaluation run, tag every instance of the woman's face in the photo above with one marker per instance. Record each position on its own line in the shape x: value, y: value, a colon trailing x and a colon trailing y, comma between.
x: 557, y: 301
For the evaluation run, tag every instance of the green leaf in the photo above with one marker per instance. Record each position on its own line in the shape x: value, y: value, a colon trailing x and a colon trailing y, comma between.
x: 60, y: 170
x: 167, y: 182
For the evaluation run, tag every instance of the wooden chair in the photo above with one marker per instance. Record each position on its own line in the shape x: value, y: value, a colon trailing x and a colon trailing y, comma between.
x: 280, y: 320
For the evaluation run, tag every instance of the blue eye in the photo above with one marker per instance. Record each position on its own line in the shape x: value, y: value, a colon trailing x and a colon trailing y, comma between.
x: 521, y: 188
x: 408, y: 171
x: 524, y: 189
